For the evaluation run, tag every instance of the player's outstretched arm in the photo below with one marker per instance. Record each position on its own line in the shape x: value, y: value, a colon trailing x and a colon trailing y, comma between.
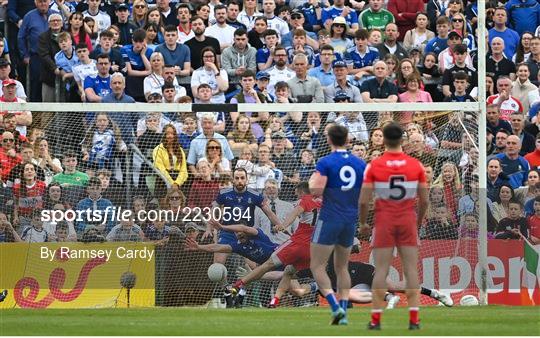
x: 192, y: 245
x: 233, y: 228
x: 317, y: 183
x: 289, y: 219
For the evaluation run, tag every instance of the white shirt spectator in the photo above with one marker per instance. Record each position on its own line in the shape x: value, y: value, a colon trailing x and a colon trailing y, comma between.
x: 258, y: 174
x: 102, y: 19
x: 202, y: 75
x: 277, y: 75
x: 33, y: 235
x: 282, y: 208
x: 356, y: 126
x: 446, y: 60
x: 223, y: 35
x: 154, y: 82
x: 20, y: 93
x: 249, y: 22
x: 183, y: 37
x: 81, y: 71
x: 280, y: 26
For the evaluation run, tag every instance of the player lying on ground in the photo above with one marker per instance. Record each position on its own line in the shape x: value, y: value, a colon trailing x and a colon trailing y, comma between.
x: 295, y: 251
x: 361, y: 281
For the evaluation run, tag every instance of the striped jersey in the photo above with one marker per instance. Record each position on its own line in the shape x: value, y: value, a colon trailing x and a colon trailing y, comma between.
x: 395, y: 177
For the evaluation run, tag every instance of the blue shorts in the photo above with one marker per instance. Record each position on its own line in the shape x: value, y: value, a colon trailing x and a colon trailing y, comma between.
x: 332, y: 233
x: 227, y: 237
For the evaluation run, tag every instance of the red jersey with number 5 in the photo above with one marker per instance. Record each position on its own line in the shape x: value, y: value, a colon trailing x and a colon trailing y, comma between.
x: 395, y: 177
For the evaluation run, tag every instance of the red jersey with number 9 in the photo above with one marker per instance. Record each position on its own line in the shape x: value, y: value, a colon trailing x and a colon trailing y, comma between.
x: 395, y: 177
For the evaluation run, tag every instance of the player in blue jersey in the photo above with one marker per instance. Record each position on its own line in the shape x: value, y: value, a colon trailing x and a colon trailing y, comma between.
x: 338, y: 178
x: 237, y: 206
x: 250, y: 243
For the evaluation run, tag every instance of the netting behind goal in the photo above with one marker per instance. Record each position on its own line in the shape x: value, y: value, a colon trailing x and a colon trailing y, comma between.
x: 159, y: 164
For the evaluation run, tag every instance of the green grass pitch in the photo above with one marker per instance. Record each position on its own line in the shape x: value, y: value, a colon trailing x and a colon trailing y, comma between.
x: 490, y: 320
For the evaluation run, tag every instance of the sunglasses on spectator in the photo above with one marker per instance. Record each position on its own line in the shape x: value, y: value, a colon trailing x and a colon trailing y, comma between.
x: 140, y: 6
x: 340, y: 25
x: 457, y: 19
x: 6, y: 140
x: 296, y: 16
x: 174, y: 198
x: 214, y: 148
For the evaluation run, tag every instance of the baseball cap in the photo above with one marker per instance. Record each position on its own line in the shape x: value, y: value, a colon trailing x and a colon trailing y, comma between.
x: 122, y: 6
x: 8, y: 82
x: 340, y: 64
x: 154, y: 95
x: 262, y: 75
x: 454, y: 33
x: 339, y: 20
x: 341, y: 95
x: 279, y: 134
x: 297, y: 14
x: 4, y: 62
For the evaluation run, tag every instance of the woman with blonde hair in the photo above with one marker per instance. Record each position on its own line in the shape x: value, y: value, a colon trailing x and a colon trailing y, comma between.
x: 169, y: 158
x: 419, y: 36
x: 219, y: 165
x: 138, y: 15
x: 248, y: 14
x: 459, y: 24
x: 449, y: 180
x: 154, y: 81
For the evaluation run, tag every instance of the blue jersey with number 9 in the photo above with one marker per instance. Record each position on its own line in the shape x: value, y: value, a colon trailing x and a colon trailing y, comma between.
x: 345, y: 173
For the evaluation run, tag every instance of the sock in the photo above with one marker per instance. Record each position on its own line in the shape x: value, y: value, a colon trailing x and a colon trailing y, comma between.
x: 376, y: 316
x: 274, y: 301
x: 331, y: 298
x: 344, y: 303
x: 426, y: 291
x: 413, y: 315
x: 238, y: 284
x: 314, y: 287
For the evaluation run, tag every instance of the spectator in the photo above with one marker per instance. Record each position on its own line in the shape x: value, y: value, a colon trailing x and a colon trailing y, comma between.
x: 99, y: 86
x: 299, y: 46
x: 140, y: 8
x: 529, y: 205
x: 497, y: 63
x: 338, y: 35
x: 528, y: 192
x: 232, y: 15
x: 49, y: 164
x: 419, y: 150
x: 77, y: 28
x: 92, y: 205
x: 184, y: 25
x: 353, y: 121
x: 125, y: 26
x: 242, y: 136
x: 527, y: 140
x: 169, y: 72
x: 65, y: 60
x: 447, y: 57
x: 524, y: 49
x: 221, y: 31
x: 262, y: 170
x: 205, y: 187
x: 70, y: 176
x: 256, y: 35
x: 169, y: 158
x: 286, y: 162
x: 413, y: 94
x: 157, y: 231
x: 297, y: 22
x: 106, y: 47
x: 102, y: 18
x: 514, y: 224
x: 495, y: 178
x: 29, y: 196
x: 280, y: 207
x: 500, y: 141
x: 506, y: 102
x: 211, y: 74
x: 460, y: 64
x: 469, y: 228
x: 459, y: 24
x: 23, y: 118
x: 200, y: 41
x: 32, y: 26
x: 460, y: 84
x: 376, y: 17
x: 239, y: 57
x: 439, y: 224
x: 304, y: 88
x: 279, y: 72
x: 126, y: 231
x: 418, y: 36
x: 249, y: 14
x: 5, y: 70
x: 189, y: 131
x: 500, y: 30
x: 197, y: 149
x: 9, y: 157
x: 154, y: 82
x: 514, y: 166
x: 391, y: 45
x: 449, y: 180
x: 494, y: 122
x: 136, y: 56
x: 262, y: 80
x: 168, y: 13
x: 324, y: 72
x: 523, y: 15
x: 7, y: 232
x: 440, y: 42
x: 47, y: 49
x: 361, y: 56
x: 152, y: 36
x: 27, y: 155
x: 34, y: 232
x: 533, y: 61
x: 379, y: 89
x: 86, y: 68
x: 533, y: 157
x: 220, y: 166
x: 275, y: 22
x: 522, y: 86
x: 405, y: 14
x: 154, y: 16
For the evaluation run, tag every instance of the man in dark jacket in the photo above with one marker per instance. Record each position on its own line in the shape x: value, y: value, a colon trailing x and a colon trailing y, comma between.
x: 47, y: 49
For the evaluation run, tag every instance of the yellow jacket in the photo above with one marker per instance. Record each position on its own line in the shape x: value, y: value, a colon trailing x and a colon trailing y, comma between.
x: 161, y: 162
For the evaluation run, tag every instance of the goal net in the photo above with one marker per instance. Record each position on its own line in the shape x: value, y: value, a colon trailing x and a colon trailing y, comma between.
x: 171, y: 166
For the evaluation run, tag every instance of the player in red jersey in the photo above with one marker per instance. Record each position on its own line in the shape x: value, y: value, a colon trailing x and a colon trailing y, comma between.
x: 397, y: 179
x: 295, y: 251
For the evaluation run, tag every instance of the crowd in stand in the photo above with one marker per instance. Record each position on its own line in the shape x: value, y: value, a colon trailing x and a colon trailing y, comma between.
x: 269, y: 51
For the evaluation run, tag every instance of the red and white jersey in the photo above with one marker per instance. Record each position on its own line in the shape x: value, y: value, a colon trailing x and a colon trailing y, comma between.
x: 395, y: 177
x: 308, y: 218
x: 507, y: 107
